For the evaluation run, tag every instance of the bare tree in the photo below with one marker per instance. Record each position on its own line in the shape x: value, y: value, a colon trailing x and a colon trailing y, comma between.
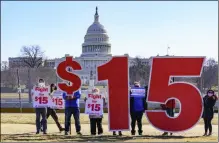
x: 139, y: 71
x: 8, y: 78
x: 33, y: 58
x: 4, y: 65
x: 210, y: 73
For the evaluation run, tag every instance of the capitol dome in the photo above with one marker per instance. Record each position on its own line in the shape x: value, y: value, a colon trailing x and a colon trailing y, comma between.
x: 96, y: 40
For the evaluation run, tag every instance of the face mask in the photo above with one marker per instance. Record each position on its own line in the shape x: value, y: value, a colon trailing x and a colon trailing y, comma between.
x: 41, y: 84
x: 210, y: 94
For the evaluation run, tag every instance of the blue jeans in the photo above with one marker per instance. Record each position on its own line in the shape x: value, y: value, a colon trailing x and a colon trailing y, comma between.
x: 75, y: 111
x: 41, y: 112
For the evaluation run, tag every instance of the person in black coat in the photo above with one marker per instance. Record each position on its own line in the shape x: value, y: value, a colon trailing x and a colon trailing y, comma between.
x: 52, y: 112
x: 208, y: 113
x: 137, y: 109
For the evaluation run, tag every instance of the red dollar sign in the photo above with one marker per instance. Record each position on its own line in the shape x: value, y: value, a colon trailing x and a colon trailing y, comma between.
x: 65, y: 75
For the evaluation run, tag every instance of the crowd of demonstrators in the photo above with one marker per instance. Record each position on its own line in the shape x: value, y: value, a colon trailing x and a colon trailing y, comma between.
x: 209, y: 101
x: 96, y: 120
x: 138, y: 105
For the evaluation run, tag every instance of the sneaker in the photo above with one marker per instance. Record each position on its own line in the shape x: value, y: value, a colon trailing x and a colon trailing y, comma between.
x: 44, y: 133
x: 171, y: 134
x: 205, y: 134
x: 100, y: 134
x: 210, y: 134
x: 62, y: 129
x: 37, y: 132
x: 66, y: 133
x: 79, y: 133
x: 140, y: 134
x: 165, y: 134
x: 133, y: 133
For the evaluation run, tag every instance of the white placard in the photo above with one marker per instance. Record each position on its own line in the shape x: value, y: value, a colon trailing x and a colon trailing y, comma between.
x: 137, y: 92
x: 57, y: 100
x: 40, y: 96
x: 94, y: 104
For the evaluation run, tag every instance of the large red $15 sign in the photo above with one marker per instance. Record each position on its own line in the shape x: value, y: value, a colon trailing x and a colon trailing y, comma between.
x: 160, y: 90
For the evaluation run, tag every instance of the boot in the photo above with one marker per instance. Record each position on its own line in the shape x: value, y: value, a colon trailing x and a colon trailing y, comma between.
x: 165, y: 134
x: 120, y: 133
x: 114, y: 133
x: 205, y: 134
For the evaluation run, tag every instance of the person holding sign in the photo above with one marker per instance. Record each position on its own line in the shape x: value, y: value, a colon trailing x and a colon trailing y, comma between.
x: 72, y: 104
x: 40, y: 111
x: 94, y: 107
x: 208, y: 112
x: 137, y: 107
x: 51, y: 111
x: 169, y: 107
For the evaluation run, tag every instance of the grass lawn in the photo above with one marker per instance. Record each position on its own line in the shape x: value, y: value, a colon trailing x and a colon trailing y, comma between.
x: 104, y: 138
x: 29, y: 118
x: 18, y: 127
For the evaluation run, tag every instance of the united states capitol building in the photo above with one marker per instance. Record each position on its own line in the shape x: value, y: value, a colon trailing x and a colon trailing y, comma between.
x: 96, y: 50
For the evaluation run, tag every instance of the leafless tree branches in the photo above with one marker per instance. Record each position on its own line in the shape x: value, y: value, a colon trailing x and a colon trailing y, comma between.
x: 32, y: 56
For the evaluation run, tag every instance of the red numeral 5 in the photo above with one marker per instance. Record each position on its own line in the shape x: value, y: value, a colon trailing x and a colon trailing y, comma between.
x: 160, y: 91
x: 97, y: 107
x: 60, y: 101
x: 45, y: 100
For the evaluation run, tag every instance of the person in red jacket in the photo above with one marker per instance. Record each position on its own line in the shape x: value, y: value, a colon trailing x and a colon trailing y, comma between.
x: 169, y: 107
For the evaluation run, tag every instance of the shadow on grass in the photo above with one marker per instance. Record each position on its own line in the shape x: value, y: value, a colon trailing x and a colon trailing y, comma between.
x: 103, y: 138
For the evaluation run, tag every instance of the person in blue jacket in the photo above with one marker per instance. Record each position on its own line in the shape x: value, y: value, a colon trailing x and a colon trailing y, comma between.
x: 137, y: 107
x: 72, y: 108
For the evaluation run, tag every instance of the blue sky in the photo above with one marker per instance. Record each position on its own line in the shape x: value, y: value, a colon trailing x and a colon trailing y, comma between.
x: 137, y: 28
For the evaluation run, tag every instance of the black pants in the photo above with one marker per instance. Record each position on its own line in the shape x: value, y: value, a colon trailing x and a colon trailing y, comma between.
x: 75, y: 111
x: 41, y: 112
x: 208, y: 125
x: 96, y: 122
x: 136, y: 116
x: 52, y: 112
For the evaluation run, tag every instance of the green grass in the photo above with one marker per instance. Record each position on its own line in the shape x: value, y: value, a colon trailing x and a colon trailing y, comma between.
x: 29, y: 118
x: 28, y: 134
x: 105, y: 138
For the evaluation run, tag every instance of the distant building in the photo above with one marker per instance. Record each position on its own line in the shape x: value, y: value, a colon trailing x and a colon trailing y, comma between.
x: 96, y: 50
x: 18, y: 62
x: 50, y: 63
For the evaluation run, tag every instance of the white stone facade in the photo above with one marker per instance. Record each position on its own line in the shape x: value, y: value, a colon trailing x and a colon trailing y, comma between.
x: 96, y: 50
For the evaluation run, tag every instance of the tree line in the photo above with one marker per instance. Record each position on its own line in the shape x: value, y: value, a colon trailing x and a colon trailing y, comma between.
x: 139, y: 71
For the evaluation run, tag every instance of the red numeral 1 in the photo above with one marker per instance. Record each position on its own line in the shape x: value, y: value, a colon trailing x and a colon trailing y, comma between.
x: 116, y: 72
x: 160, y: 90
